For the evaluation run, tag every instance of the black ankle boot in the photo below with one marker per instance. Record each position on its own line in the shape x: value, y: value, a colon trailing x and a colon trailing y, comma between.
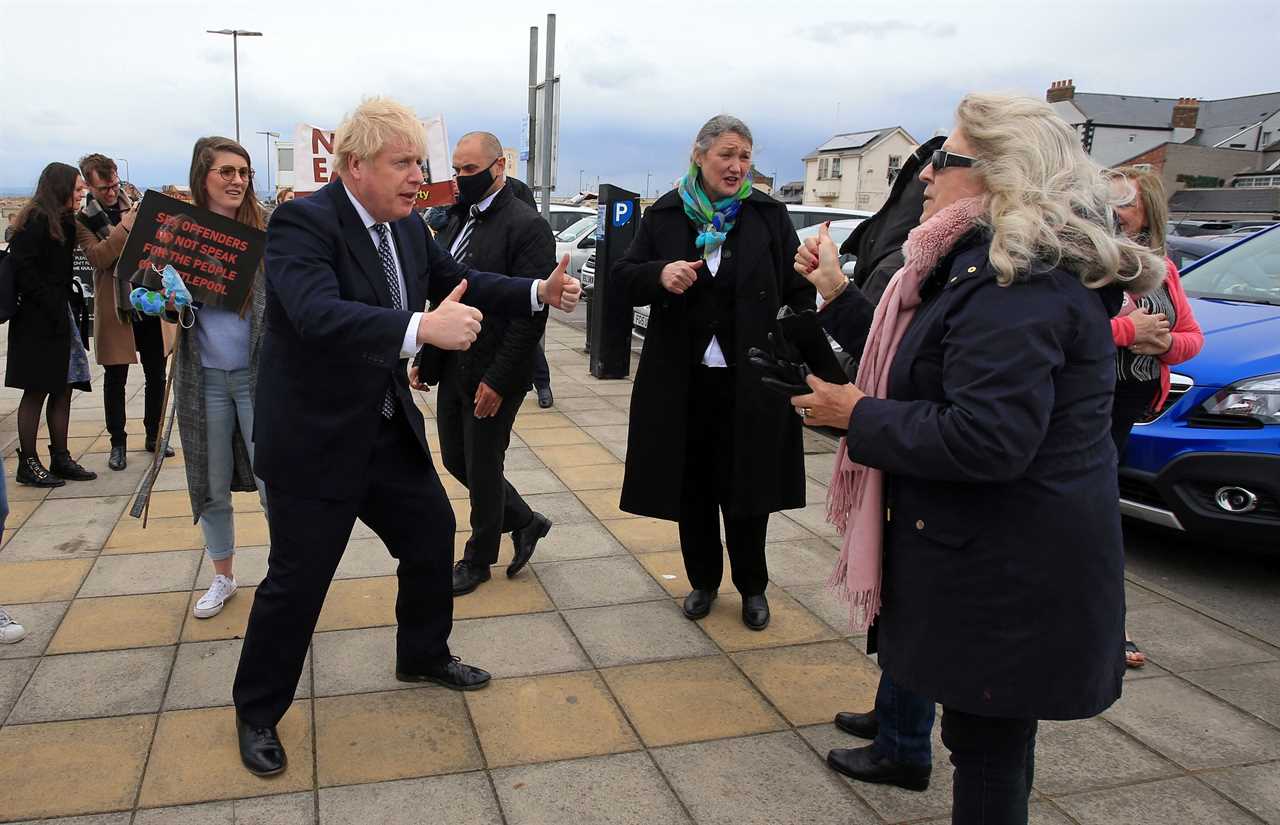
x: 32, y: 473
x: 62, y: 465
x: 150, y: 446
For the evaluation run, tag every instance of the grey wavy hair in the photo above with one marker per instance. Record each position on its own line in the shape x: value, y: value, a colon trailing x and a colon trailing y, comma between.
x: 714, y: 128
x: 1048, y: 202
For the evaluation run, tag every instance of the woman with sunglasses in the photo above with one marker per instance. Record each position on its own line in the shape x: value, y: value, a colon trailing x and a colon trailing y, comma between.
x: 976, y: 487
x: 47, y: 351
x: 1153, y: 331
x: 216, y: 375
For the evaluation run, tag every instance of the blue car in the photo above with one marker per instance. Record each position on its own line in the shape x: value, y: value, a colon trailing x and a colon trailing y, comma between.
x: 1208, y: 462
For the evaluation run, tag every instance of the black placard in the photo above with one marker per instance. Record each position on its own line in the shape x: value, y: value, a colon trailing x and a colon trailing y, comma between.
x: 216, y: 256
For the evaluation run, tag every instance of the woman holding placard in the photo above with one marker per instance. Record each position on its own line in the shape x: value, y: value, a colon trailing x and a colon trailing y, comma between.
x: 216, y: 374
x: 47, y: 353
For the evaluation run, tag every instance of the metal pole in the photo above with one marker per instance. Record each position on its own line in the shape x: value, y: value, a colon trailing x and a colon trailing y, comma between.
x: 533, y: 103
x: 127, y: 176
x: 235, y: 60
x: 548, y: 116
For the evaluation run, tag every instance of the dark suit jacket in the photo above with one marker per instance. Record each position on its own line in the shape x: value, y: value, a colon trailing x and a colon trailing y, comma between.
x: 332, y: 342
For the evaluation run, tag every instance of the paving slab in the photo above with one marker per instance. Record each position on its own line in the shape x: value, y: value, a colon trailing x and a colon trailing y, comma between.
x: 142, y: 573
x: 289, y: 809
x: 800, y: 562
x: 1179, y: 640
x: 120, y: 622
x: 789, y: 623
x: 105, y: 509
x: 1256, y: 788
x: 619, y: 789
x: 643, y: 632
x: 562, y: 508
x: 1092, y: 753
x: 59, y: 541
x: 41, y: 622
x: 534, y: 482
x: 86, y: 685
x: 1253, y: 688
x: 567, y: 542
x: 1182, y: 800
x: 522, y: 645
x: 595, y: 582
x: 249, y: 567
x: 1193, y: 728
x: 22, y: 582
x: 96, y: 819
x: 461, y: 799
x: 14, y: 674
x: 759, y: 780
x: 823, y: 602
x: 356, y: 661
x: 811, y: 683
x: 203, y: 673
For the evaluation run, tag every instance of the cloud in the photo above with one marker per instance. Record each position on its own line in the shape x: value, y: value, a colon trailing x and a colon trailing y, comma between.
x: 839, y: 30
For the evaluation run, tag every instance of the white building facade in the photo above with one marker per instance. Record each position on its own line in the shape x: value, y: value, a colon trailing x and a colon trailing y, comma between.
x: 856, y: 170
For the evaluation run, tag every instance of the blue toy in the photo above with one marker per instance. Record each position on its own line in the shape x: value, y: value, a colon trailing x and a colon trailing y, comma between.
x: 150, y: 302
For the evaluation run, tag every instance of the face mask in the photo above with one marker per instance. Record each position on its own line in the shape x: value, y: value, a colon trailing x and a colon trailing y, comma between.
x: 472, y: 188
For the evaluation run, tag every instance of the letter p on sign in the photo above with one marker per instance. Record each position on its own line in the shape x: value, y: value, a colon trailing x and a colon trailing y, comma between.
x: 622, y: 212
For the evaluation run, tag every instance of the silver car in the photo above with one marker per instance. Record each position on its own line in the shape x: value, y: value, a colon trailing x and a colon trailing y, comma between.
x: 578, y: 241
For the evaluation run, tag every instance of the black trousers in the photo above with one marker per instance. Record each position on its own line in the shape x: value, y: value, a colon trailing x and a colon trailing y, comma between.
x: 406, y: 506
x: 541, y: 371
x: 149, y: 340
x: 1132, y: 401
x: 708, y: 490
x: 994, y: 762
x: 474, y: 452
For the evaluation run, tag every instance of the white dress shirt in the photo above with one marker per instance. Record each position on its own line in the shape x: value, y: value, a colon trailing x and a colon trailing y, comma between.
x: 409, y: 345
x: 714, y: 356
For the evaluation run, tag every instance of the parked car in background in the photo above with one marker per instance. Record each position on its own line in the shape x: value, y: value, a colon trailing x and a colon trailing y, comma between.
x: 1195, y: 228
x: 578, y: 241
x: 1208, y: 461
x: 562, y: 217
x: 1186, y: 250
x: 802, y: 216
x: 840, y: 232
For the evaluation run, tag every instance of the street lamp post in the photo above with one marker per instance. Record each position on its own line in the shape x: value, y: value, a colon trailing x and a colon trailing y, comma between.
x: 127, y: 176
x: 236, y: 34
x: 580, y: 173
x: 270, y: 192
x: 647, y: 177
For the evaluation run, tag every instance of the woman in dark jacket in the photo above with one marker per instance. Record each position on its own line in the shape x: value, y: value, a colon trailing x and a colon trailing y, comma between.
x: 46, y: 349
x: 979, y: 458
x: 713, y: 260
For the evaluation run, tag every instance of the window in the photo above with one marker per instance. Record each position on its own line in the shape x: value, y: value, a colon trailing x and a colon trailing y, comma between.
x: 824, y: 166
x: 1146, y: 167
x: 1266, y: 138
x: 284, y: 159
x: 835, y: 167
x: 864, y: 199
x: 895, y: 166
x: 1258, y: 182
x: 1131, y: 137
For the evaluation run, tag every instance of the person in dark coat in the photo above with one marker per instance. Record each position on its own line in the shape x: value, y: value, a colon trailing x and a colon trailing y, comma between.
x: 976, y: 487
x: 483, y: 387
x: 713, y: 260
x: 47, y: 347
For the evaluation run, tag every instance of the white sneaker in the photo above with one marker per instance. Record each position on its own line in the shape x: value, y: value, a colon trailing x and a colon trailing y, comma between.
x: 10, y: 631
x: 211, y: 603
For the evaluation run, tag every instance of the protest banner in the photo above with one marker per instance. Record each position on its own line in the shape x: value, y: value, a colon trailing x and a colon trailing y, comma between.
x: 313, y: 162
x: 215, y: 256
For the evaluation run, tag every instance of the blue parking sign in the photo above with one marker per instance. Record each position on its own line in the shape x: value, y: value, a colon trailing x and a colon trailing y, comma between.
x: 622, y: 212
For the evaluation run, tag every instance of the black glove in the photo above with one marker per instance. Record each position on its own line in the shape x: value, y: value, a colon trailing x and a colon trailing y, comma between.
x: 780, y: 371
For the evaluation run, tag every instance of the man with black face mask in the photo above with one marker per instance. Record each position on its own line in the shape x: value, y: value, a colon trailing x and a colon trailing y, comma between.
x: 481, y: 389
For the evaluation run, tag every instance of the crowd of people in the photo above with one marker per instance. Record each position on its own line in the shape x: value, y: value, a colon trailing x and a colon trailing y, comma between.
x: 1011, y: 316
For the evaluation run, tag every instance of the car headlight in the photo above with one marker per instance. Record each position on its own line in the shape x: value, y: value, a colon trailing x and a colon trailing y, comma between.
x: 1252, y: 398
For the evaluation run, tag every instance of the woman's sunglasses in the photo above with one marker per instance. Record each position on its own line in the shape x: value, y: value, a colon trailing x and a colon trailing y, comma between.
x: 229, y: 173
x: 941, y: 159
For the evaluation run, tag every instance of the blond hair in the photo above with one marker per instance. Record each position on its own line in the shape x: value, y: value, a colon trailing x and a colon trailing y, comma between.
x: 376, y: 122
x: 1049, y: 204
x: 1155, y: 206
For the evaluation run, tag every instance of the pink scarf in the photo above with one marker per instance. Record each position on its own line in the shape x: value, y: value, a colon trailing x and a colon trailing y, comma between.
x: 855, y: 503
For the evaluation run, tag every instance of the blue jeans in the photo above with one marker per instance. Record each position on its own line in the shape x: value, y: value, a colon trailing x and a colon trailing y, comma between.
x: 906, y: 724
x: 226, y: 401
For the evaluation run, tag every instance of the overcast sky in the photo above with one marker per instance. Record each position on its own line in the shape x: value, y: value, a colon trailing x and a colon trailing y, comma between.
x: 142, y: 80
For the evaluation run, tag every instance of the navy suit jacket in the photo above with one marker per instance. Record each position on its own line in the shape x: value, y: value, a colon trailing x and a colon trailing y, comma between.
x: 332, y: 341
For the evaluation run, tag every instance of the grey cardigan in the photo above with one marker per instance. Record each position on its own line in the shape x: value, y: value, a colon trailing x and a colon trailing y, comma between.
x: 188, y: 387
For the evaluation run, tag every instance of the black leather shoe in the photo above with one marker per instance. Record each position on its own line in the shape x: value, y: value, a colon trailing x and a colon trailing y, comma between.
x: 62, y: 465
x: 755, y: 612
x: 118, y: 461
x: 865, y: 765
x: 862, y: 725
x: 260, y: 749
x: 150, y: 446
x: 545, y: 398
x: 468, y: 576
x: 452, y: 674
x: 33, y: 474
x: 526, y: 539
x: 698, y: 603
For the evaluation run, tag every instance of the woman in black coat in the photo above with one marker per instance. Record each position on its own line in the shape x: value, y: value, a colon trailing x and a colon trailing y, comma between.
x: 1001, y: 594
x: 712, y: 259
x: 46, y: 351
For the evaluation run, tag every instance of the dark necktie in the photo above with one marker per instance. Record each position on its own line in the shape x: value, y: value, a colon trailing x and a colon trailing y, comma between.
x: 397, y: 301
x: 464, y: 238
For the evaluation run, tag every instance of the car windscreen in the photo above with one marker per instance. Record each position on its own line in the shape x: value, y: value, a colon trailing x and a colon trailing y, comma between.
x: 839, y: 234
x: 576, y: 230
x: 1249, y: 272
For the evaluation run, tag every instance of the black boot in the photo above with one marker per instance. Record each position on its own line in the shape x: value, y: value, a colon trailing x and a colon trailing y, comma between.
x: 118, y: 459
x: 62, y: 465
x: 150, y: 446
x: 32, y: 473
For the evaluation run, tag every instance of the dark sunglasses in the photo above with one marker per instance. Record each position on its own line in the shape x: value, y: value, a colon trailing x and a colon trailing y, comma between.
x: 941, y: 159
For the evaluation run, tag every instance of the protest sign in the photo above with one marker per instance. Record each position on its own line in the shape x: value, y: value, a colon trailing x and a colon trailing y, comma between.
x: 215, y: 256
x: 313, y: 162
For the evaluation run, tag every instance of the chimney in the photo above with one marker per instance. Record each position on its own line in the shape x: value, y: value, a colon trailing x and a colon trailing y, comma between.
x: 1185, y: 112
x: 1060, y: 90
